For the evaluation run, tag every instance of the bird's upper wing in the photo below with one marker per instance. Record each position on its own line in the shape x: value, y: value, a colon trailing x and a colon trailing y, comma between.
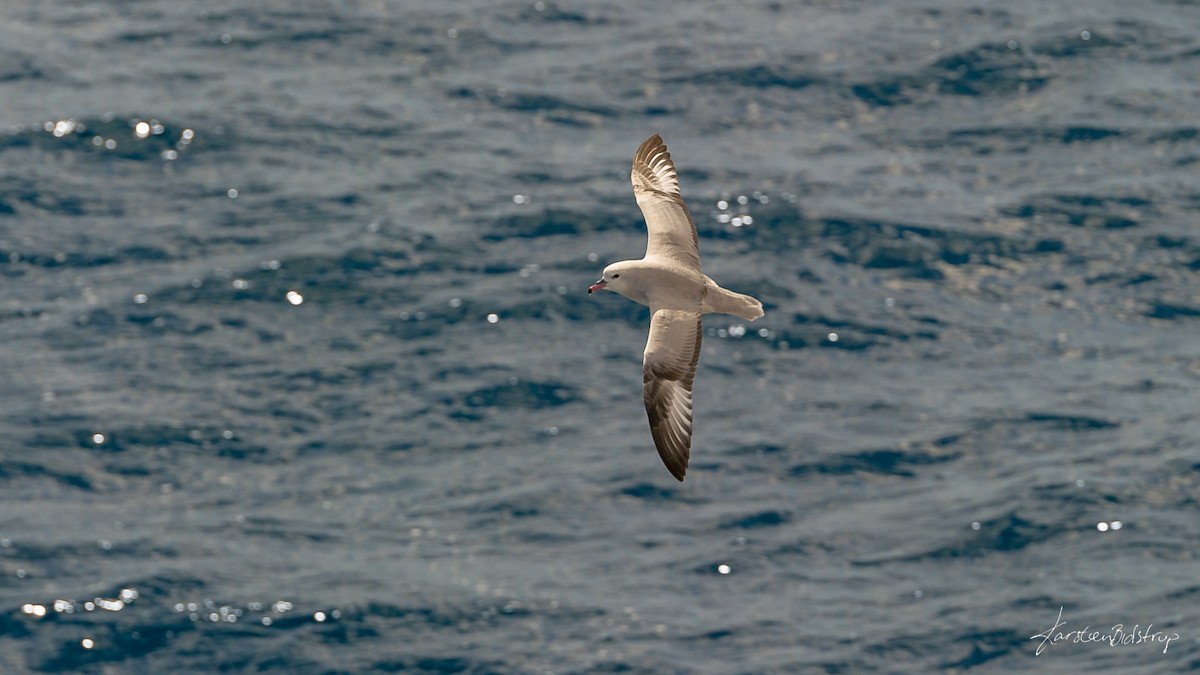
x: 668, y: 368
x: 672, y: 233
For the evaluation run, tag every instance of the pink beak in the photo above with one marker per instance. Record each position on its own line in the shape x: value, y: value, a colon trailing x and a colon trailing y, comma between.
x: 597, y: 286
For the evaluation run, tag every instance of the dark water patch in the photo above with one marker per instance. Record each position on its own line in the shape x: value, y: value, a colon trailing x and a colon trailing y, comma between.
x: 1175, y: 135
x: 1086, y: 134
x: 910, y: 648
x: 15, y: 67
x: 551, y: 108
x: 1090, y: 211
x: 19, y: 471
x: 1121, y: 278
x: 650, y: 492
x: 289, y: 530
x: 577, y: 305
x: 338, y: 376
x: 412, y: 326
x: 987, y: 646
x: 898, y: 463
x: 1122, y: 38
x: 347, y: 278
x: 757, y: 520
x: 554, y: 222
x: 829, y: 333
x: 466, y: 617
x: 1071, y: 422
x: 1072, y: 494
x: 1007, y: 533
x: 83, y: 259
x: 507, y: 510
x: 133, y: 138
x: 552, y: 13
x: 142, y: 37
x: 439, y: 665
x: 105, y: 440
x: 759, y: 76
x: 759, y: 449
x: 140, y: 619
x: 114, y: 638
x: 58, y: 260
x: 1015, y: 140
x: 162, y: 323
x: 991, y: 69
x: 906, y: 250
x: 1171, y: 311
x: 55, y: 201
x: 522, y: 394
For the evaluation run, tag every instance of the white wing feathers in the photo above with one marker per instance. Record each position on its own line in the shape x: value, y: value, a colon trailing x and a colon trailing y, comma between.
x: 668, y: 368
x: 671, y: 231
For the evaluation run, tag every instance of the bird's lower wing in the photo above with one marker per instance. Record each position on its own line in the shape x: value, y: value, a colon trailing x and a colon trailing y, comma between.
x: 668, y: 368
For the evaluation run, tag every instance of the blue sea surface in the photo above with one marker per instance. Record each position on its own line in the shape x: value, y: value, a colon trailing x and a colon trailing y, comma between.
x: 298, y: 372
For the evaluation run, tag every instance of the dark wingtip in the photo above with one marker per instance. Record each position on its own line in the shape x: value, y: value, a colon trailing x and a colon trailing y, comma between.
x: 677, y: 470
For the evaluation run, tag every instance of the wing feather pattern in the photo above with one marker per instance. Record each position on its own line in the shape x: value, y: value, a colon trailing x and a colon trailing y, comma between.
x: 668, y: 368
x: 670, y: 228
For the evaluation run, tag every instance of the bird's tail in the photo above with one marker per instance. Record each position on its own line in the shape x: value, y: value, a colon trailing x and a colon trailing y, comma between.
x: 723, y: 301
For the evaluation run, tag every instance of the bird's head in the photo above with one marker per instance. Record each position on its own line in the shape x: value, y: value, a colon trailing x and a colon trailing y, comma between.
x: 617, y: 277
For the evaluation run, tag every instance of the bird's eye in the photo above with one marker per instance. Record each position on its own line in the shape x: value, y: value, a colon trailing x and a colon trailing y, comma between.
x: 616, y: 276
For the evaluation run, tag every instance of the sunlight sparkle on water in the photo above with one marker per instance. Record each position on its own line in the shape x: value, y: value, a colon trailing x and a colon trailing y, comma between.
x: 37, y: 611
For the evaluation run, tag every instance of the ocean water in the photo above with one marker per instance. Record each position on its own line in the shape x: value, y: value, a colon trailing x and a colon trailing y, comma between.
x: 298, y: 372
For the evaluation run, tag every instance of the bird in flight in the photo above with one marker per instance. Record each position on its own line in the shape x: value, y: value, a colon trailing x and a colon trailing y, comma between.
x: 669, y: 280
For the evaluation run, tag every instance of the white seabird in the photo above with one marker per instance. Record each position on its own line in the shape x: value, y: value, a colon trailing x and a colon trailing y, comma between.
x: 669, y: 280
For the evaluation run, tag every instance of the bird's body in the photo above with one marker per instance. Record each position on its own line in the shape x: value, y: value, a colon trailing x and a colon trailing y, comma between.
x: 670, y: 281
